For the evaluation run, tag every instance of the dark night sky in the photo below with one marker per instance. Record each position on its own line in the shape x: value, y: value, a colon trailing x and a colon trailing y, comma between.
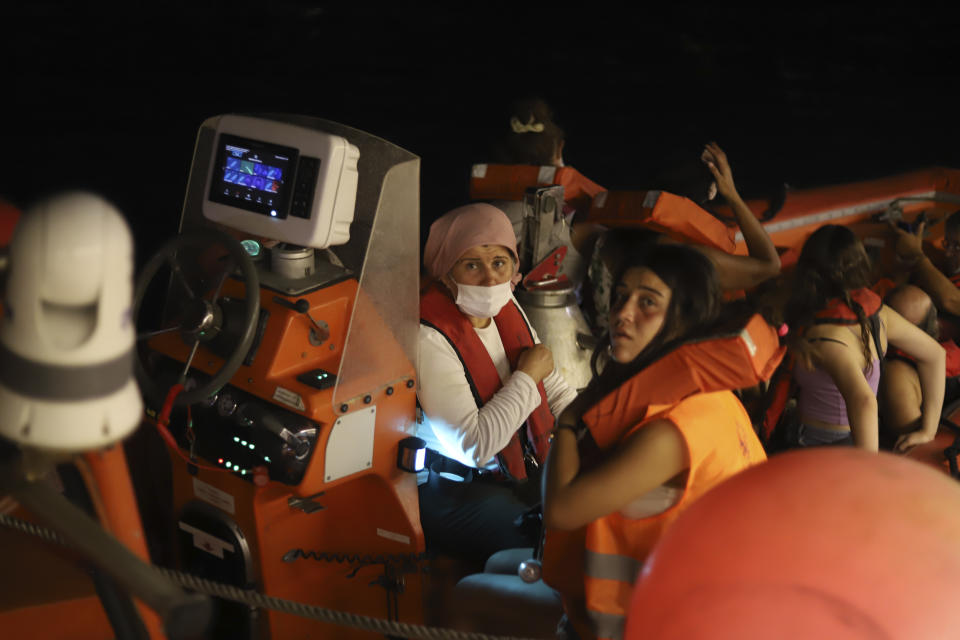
x: 111, y: 101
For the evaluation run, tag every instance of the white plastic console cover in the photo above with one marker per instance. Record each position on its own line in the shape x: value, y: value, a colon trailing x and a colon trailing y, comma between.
x: 350, y: 446
x: 327, y: 201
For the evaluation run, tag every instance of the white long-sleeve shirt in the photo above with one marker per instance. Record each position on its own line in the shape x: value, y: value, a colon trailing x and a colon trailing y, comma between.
x: 452, y: 423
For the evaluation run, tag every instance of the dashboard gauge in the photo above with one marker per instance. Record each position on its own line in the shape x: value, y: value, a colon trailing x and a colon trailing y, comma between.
x: 226, y: 404
x: 241, y: 416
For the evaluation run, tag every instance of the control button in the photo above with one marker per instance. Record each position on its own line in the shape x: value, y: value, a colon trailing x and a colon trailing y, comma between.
x: 318, y: 379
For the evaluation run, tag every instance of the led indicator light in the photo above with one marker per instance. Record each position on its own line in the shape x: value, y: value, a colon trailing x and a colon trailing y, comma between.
x: 252, y: 247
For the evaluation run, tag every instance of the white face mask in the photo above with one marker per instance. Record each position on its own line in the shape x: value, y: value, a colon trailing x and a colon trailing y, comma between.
x: 482, y: 302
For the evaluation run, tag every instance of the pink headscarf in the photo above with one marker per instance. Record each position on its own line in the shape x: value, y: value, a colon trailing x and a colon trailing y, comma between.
x: 462, y: 229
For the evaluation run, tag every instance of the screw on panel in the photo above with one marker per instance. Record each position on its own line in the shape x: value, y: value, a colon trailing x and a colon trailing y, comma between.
x: 250, y: 380
x: 332, y: 347
x: 389, y: 391
x: 410, y: 383
x: 343, y: 408
x: 367, y: 399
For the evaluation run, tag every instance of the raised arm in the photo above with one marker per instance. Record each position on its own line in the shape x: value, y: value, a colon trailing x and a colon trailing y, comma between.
x: 931, y: 368
x: 763, y: 261
x: 647, y: 459
x: 909, y: 248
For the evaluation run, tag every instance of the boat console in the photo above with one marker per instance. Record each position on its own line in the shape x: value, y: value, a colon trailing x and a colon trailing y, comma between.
x: 289, y: 329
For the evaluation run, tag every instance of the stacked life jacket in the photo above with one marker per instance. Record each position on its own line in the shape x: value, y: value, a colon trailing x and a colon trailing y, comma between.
x: 679, y: 218
x: 594, y: 568
x: 529, y: 445
x: 836, y: 312
x: 510, y: 182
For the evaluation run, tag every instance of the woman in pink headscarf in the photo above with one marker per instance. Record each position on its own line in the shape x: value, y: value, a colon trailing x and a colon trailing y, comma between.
x: 487, y: 387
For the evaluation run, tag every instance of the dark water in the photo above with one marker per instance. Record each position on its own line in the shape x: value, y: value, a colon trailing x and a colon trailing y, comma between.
x: 111, y: 101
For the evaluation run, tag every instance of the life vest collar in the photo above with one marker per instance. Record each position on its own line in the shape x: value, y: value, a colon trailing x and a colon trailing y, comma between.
x: 531, y: 442
x: 837, y: 311
x: 735, y: 360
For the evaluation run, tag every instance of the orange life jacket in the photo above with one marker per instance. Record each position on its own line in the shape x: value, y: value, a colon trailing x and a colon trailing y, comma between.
x: 676, y: 216
x: 720, y: 441
x: 510, y: 182
x: 681, y: 379
x: 742, y: 358
x: 837, y: 311
x: 438, y: 311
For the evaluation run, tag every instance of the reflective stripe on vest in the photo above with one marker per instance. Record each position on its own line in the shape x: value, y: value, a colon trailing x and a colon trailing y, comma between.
x: 611, y: 566
x: 608, y: 626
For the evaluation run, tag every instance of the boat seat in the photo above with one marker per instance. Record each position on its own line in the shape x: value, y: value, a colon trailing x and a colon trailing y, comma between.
x: 500, y: 604
x: 491, y: 599
x: 506, y: 561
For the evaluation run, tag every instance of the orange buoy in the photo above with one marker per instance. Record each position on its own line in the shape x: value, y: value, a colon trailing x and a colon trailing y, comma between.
x: 831, y: 542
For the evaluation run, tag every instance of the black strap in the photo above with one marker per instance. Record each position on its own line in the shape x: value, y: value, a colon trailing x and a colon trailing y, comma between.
x: 463, y: 364
x: 439, y: 463
x: 825, y: 339
x: 874, y: 323
x: 953, y: 450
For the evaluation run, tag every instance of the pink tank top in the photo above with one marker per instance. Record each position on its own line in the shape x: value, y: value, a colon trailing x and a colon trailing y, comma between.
x: 819, y: 397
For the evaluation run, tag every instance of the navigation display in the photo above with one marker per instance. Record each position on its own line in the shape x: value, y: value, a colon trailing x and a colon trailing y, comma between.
x: 253, y: 175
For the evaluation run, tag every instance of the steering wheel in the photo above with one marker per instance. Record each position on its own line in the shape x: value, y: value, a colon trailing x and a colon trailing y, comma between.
x: 201, y: 315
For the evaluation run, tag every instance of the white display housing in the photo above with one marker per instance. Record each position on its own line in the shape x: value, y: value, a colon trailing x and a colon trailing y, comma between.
x: 281, y: 181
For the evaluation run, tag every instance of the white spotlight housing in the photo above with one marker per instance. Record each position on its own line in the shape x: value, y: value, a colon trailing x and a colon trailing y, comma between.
x: 67, y: 338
